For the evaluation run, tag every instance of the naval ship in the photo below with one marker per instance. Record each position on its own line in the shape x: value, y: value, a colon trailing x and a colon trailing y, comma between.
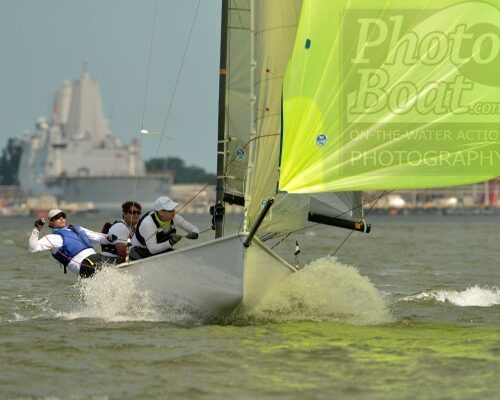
x: 74, y: 156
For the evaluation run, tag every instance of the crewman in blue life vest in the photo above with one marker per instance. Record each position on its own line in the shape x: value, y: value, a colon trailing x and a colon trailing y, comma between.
x: 156, y: 230
x: 71, y: 245
x: 119, y: 233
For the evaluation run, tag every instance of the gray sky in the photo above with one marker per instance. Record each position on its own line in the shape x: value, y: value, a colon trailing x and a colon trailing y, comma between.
x: 44, y: 42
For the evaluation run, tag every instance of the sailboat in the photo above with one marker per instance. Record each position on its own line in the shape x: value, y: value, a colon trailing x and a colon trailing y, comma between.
x: 319, y: 101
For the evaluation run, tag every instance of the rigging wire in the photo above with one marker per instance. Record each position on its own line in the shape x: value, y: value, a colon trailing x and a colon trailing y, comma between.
x: 165, y: 122
x: 367, y: 212
x: 162, y: 135
x: 185, y: 204
x: 337, y: 216
x: 148, y: 73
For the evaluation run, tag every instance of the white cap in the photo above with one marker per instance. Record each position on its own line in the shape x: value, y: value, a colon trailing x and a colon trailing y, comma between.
x: 164, y: 203
x: 52, y: 213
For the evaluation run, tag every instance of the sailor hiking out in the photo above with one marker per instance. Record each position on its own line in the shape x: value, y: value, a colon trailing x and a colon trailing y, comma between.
x: 119, y: 233
x: 156, y: 231
x: 70, y: 245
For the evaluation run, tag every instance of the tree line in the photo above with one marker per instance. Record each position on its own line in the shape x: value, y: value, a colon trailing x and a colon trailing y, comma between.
x: 181, y: 172
x: 9, y: 162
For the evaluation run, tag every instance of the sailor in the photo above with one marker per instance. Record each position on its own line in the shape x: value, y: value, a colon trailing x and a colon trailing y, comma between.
x: 119, y: 234
x: 71, y: 245
x: 156, y: 230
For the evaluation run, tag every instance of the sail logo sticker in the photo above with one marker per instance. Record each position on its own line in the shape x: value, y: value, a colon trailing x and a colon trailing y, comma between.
x: 240, y: 154
x: 321, y: 140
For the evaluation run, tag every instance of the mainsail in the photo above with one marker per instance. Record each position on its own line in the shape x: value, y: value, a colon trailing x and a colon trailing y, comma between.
x: 379, y: 96
x: 237, y: 115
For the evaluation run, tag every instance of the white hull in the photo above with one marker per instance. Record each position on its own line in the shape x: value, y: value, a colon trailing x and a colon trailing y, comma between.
x: 213, y: 278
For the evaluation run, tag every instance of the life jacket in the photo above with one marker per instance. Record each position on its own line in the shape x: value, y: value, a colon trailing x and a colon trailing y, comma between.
x: 107, y: 226
x: 110, y: 247
x: 167, y: 228
x: 75, y: 240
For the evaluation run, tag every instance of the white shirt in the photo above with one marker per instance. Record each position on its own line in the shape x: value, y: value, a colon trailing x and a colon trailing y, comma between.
x: 122, y: 233
x: 148, y: 230
x: 54, y: 241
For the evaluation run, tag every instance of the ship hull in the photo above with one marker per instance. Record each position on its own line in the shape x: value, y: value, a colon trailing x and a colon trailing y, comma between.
x: 107, y: 192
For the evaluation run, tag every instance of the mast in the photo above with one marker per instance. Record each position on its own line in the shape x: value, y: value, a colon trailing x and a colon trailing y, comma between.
x: 218, y: 211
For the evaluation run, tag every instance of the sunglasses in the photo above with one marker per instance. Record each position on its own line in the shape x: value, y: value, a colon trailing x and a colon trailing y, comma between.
x: 58, y: 216
x: 133, y: 212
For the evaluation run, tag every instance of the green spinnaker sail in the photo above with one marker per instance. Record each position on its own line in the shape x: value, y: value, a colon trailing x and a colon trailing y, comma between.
x: 392, y: 95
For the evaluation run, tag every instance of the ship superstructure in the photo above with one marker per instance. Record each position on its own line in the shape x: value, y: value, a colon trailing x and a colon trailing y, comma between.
x: 74, y: 156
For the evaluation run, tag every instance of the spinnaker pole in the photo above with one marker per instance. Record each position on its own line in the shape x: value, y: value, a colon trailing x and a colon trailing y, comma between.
x: 258, y: 222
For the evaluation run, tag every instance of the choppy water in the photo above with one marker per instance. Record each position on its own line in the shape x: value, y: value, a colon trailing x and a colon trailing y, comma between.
x: 411, y: 310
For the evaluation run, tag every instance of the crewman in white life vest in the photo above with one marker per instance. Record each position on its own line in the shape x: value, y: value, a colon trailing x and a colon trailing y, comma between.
x: 71, y: 245
x: 156, y: 230
x: 120, y: 233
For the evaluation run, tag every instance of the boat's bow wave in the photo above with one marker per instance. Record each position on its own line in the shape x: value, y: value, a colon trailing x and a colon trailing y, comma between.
x: 475, y: 296
x: 324, y: 290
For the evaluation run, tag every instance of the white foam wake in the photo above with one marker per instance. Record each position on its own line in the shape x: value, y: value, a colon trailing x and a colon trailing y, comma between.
x: 475, y: 296
x: 115, y: 296
x: 112, y: 296
x: 325, y: 290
